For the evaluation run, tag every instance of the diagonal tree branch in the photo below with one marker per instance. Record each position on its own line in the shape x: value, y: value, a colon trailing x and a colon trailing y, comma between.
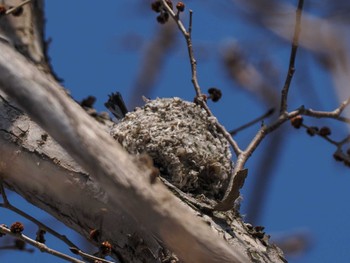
x: 128, y: 186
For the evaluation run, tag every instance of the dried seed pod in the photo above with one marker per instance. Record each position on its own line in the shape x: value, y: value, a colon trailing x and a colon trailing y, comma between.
x: 170, y: 4
x: 163, y: 18
x: 338, y: 156
x: 347, y: 162
x: 156, y: 6
x: 106, y: 248
x: 215, y: 94
x: 297, y: 121
x: 17, y: 228
x: 183, y: 142
x: 325, y: 131
x: 312, y: 130
x: 180, y: 6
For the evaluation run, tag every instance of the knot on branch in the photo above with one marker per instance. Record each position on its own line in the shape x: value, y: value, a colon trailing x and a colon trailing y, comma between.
x: 183, y: 142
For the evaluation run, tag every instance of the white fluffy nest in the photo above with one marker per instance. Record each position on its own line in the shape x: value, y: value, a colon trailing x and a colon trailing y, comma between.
x: 183, y: 142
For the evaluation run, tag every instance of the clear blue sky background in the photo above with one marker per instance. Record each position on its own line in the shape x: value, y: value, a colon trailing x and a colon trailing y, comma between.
x: 309, y: 193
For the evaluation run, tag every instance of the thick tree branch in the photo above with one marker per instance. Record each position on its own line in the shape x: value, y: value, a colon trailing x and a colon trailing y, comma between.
x: 115, y: 198
x: 127, y: 185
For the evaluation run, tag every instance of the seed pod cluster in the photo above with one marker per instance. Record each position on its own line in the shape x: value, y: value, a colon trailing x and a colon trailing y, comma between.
x: 183, y: 142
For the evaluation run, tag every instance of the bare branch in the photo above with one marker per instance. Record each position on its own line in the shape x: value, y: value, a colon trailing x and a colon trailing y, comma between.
x: 291, y: 68
x: 188, y: 38
x: 335, y: 114
x: 261, y: 118
x: 88, y: 256
x: 42, y: 226
x: 199, y: 98
x: 127, y: 185
x: 221, y: 128
x: 231, y: 193
x: 41, y: 246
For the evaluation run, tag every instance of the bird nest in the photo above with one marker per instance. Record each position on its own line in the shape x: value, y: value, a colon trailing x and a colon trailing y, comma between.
x: 183, y: 142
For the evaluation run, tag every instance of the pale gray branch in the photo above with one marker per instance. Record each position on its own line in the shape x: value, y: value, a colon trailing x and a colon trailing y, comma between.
x: 127, y: 186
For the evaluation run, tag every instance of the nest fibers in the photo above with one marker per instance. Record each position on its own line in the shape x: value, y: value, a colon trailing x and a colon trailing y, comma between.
x: 183, y: 142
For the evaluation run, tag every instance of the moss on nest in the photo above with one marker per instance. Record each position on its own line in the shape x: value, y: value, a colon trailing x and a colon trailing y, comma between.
x: 183, y: 142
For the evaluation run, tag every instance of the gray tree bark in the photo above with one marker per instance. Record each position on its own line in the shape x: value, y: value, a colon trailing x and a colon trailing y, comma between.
x: 65, y: 162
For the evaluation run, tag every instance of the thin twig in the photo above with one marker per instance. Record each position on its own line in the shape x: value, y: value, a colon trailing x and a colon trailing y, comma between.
x: 3, y: 194
x: 188, y: 37
x: 88, y: 256
x: 12, y: 9
x: 193, y: 62
x: 261, y: 118
x: 338, y: 144
x: 6, y: 204
x: 221, y: 128
x: 335, y: 114
x: 231, y: 192
x: 293, y: 53
x: 345, y: 140
x: 263, y: 177
x: 41, y: 246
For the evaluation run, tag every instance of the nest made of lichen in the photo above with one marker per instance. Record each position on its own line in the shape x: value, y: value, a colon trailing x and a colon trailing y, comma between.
x: 183, y: 142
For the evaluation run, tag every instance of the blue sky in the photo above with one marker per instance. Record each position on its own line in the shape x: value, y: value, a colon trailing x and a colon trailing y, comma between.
x: 309, y: 190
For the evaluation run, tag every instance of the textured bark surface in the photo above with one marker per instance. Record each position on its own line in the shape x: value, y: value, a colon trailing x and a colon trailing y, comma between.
x: 104, y: 185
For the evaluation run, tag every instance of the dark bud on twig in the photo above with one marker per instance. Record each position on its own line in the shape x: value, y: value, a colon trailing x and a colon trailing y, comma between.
x: 159, y: 8
x: 17, y: 228
x: 163, y: 18
x: 297, y: 121
x: 40, y: 236
x: 347, y: 162
x: 180, y: 6
x: 156, y: 6
x: 338, y: 156
x: 312, y: 130
x: 106, y: 248
x: 170, y: 4
x: 325, y: 131
x: 214, y: 94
